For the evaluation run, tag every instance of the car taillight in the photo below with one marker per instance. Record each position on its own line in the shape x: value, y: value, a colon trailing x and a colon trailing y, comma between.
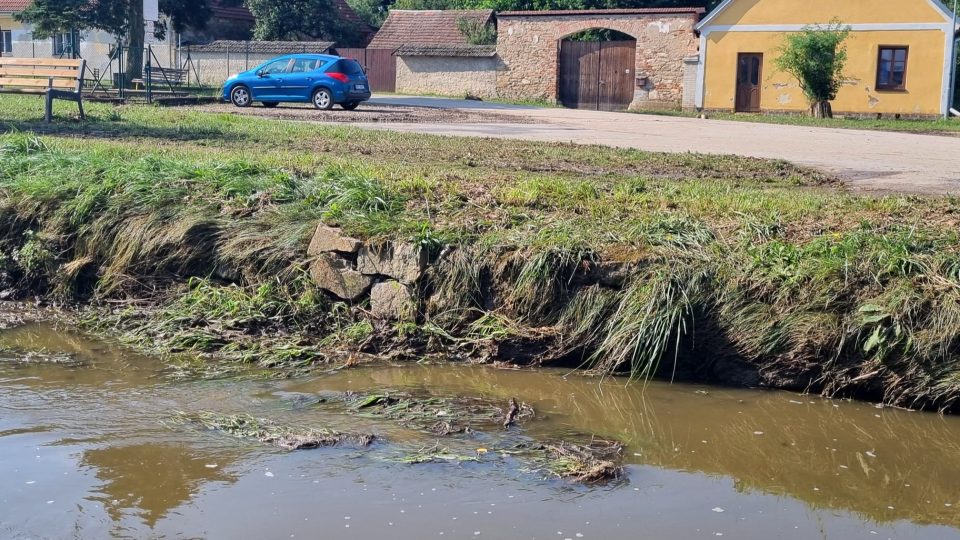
x: 342, y: 77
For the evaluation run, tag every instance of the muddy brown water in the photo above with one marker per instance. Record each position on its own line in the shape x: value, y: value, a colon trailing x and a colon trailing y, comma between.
x: 87, y: 450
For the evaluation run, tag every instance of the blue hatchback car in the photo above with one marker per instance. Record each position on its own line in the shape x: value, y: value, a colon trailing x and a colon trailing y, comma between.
x: 321, y: 79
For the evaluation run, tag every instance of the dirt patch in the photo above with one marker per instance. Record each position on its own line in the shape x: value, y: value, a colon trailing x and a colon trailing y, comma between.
x: 367, y: 113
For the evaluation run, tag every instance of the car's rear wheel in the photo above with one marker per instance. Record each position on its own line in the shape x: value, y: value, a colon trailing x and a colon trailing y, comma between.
x: 270, y: 104
x: 349, y: 106
x: 240, y: 96
x: 323, y: 99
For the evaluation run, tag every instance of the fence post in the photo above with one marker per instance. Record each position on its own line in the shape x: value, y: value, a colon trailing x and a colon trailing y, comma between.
x: 120, y: 70
x: 149, y: 74
x: 228, y: 62
x: 246, y: 60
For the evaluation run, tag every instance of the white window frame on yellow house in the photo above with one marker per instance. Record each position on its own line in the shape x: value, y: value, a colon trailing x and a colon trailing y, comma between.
x: 6, y: 41
x: 948, y: 27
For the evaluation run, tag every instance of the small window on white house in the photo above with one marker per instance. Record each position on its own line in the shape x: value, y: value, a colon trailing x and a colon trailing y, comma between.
x: 62, y: 44
x: 6, y: 42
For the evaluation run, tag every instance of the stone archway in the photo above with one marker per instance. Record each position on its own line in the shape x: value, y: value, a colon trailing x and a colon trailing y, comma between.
x: 596, y: 70
x: 529, y: 42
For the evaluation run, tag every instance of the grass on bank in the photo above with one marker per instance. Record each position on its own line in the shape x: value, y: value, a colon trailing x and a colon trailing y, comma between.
x: 629, y: 261
x: 940, y: 126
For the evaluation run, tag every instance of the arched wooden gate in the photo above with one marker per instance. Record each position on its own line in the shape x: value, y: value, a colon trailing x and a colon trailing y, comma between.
x: 597, y: 75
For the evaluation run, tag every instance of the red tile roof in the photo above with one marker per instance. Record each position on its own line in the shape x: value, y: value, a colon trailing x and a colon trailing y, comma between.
x: 427, y: 27
x: 233, y: 13
x: 348, y: 14
x: 268, y: 47
x: 581, y: 12
x: 13, y: 6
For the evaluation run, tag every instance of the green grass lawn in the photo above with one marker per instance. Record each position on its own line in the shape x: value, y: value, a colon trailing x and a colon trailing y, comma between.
x: 765, y: 260
x: 932, y: 127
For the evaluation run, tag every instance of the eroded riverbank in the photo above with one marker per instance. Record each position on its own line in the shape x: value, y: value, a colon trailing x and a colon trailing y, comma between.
x: 689, y: 267
x: 91, y: 442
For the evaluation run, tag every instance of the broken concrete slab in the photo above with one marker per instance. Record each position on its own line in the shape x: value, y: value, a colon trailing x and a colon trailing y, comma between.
x: 391, y: 300
x: 331, y: 239
x: 335, y: 276
x: 404, y: 262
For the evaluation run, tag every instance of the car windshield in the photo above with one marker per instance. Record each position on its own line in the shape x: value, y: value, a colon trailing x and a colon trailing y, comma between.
x: 349, y: 67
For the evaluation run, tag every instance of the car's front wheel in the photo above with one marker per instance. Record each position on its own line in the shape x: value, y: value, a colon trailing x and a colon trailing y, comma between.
x: 322, y: 99
x: 240, y: 96
x: 270, y: 104
x: 349, y: 106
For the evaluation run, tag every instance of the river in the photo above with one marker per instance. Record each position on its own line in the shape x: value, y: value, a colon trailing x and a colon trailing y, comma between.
x: 89, y: 451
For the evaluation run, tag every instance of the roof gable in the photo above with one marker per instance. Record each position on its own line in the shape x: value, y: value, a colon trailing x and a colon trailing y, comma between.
x: 792, y: 12
x: 426, y: 27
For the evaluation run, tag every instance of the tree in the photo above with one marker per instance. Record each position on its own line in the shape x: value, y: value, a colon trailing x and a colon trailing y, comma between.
x: 122, y: 18
x: 373, y: 12
x: 301, y: 20
x: 815, y: 56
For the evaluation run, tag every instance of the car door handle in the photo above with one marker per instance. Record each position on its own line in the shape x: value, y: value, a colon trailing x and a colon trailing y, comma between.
x: 309, y: 78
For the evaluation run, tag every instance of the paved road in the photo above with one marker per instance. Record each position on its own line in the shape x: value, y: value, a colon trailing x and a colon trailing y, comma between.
x: 867, y: 160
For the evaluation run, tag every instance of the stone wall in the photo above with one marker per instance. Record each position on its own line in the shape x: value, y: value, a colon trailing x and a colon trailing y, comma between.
x: 529, y: 45
x: 448, y: 76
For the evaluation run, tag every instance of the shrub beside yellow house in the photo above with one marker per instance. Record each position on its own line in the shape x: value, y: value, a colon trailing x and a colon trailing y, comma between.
x: 899, y: 56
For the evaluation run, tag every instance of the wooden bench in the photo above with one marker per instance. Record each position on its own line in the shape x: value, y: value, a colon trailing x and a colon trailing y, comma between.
x: 161, y: 75
x: 53, y: 78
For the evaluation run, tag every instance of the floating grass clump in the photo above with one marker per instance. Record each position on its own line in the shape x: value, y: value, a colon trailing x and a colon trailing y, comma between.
x: 592, y: 462
x: 287, y: 437
x: 434, y: 414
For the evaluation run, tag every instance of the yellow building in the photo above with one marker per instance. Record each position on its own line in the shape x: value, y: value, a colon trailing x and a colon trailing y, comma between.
x: 899, y: 56
x: 7, y: 25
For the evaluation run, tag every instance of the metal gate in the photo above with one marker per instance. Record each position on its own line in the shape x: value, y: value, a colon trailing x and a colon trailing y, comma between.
x: 597, y: 74
x: 380, y: 65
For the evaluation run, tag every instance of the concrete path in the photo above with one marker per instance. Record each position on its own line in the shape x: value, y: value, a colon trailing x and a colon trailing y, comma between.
x: 867, y: 160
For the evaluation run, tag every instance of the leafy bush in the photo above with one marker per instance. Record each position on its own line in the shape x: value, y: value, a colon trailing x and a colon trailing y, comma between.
x: 476, y: 32
x: 816, y: 56
x: 34, y: 258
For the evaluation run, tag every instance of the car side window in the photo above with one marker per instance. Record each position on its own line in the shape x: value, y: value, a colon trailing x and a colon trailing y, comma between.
x: 303, y: 65
x: 278, y: 66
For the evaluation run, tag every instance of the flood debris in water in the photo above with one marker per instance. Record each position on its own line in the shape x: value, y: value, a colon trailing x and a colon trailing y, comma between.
x: 14, y: 314
x: 587, y: 461
x: 266, y: 431
x: 19, y: 356
x: 436, y: 415
x: 584, y: 460
x: 438, y: 454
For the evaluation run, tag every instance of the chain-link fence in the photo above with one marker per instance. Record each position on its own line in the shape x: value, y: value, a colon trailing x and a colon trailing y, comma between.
x: 213, y: 63
x: 98, y: 48
x: 207, y: 65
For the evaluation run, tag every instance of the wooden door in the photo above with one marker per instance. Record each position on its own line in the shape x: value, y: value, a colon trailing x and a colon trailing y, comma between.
x: 382, y: 70
x: 379, y: 64
x: 749, y: 77
x: 597, y: 75
x: 579, y: 74
x: 617, y: 59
